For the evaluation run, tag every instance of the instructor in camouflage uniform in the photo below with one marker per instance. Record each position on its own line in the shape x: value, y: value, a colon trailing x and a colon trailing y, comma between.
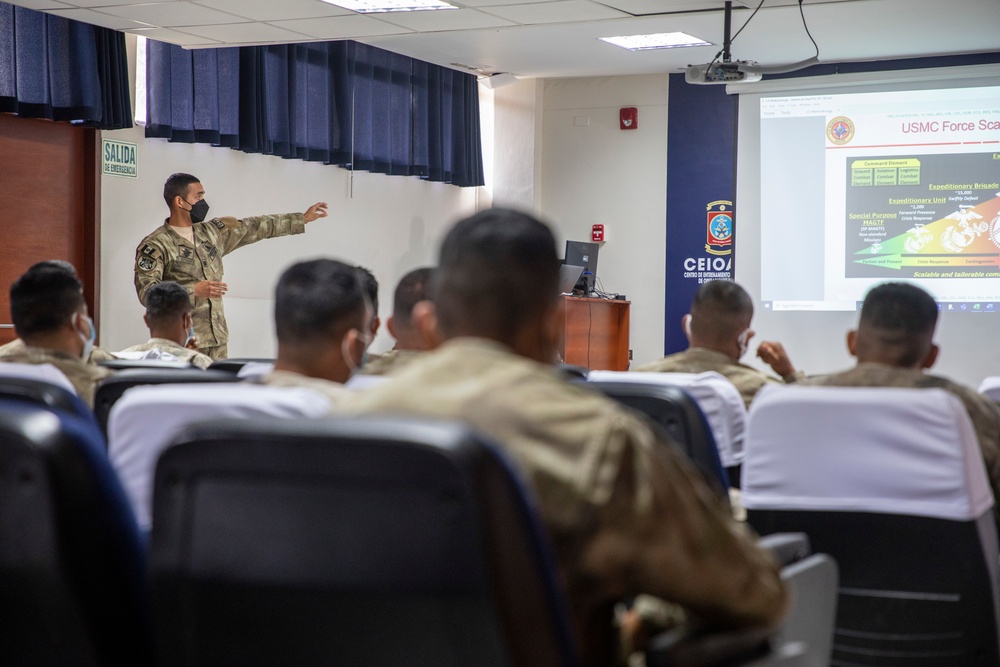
x: 189, y: 252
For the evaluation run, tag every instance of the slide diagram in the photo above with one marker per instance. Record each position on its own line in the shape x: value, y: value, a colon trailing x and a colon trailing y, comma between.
x: 923, y: 216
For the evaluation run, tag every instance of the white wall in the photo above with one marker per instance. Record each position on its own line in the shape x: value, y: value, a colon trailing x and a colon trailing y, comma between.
x: 389, y: 224
x: 594, y: 172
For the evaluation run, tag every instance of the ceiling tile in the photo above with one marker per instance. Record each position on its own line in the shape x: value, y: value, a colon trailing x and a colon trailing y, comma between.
x: 450, y: 19
x: 565, y: 11
x: 174, y: 37
x: 175, y: 14
x: 269, y: 10
x: 97, y: 18
x: 497, y: 3
x: 652, y: 7
x: 39, y: 4
x: 341, y: 27
x: 92, y: 4
x: 246, y: 33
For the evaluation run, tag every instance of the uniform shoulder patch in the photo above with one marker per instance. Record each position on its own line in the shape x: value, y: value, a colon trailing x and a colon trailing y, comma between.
x: 218, y: 223
x: 146, y: 263
x: 149, y: 250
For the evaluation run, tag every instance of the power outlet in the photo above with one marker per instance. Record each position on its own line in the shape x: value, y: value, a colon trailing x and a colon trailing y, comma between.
x: 630, y: 355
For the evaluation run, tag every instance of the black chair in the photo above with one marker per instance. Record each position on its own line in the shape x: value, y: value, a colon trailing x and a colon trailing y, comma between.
x: 44, y: 393
x: 350, y: 542
x: 155, y: 364
x: 236, y: 365
x: 679, y: 415
x: 111, y: 388
x: 72, y: 566
x: 891, y: 483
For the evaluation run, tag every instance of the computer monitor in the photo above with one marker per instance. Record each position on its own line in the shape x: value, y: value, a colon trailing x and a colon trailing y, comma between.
x: 582, y: 253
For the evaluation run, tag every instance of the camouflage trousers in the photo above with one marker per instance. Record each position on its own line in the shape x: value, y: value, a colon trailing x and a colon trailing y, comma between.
x: 216, y: 351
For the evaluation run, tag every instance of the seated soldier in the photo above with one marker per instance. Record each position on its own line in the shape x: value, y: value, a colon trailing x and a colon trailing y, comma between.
x: 625, y: 513
x: 894, y: 346
x: 171, y: 328
x: 50, y: 317
x: 411, y: 323
x: 97, y: 354
x: 322, y: 318
x: 718, y: 332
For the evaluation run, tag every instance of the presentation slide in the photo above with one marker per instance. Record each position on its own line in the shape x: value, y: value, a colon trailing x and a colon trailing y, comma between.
x: 870, y: 187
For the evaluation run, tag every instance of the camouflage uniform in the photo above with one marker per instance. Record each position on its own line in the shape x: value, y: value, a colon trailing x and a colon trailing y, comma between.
x: 335, y: 392
x: 984, y: 413
x: 390, y: 362
x: 166, y: 255
x: 747, y: 379
x: 182, y: 353
x: 84, y: 376
x: 97, y: 354
x: 625, y: 513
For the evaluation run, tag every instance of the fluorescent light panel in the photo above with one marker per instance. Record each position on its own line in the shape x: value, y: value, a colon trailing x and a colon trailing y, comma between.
x: 663, y: 40
x: 377, y: 6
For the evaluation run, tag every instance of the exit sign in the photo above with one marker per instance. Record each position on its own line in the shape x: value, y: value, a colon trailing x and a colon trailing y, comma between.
x: 118, y: 158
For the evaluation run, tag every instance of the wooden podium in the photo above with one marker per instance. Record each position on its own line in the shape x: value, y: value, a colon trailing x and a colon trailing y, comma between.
x: 596, y: 333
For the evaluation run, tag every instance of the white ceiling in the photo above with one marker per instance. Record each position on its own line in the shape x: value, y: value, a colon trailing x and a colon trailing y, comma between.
x: 550, y: 38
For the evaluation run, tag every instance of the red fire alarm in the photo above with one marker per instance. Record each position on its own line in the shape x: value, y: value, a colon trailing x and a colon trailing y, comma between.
x: 629, y: 117
x: 597, y: 233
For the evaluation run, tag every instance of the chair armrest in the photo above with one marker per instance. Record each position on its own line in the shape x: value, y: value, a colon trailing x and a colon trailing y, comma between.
x: 786, y: 548
x: 687, y: 646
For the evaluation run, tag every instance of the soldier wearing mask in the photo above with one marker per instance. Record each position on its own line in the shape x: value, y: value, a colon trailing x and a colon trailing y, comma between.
x: 188, y: 250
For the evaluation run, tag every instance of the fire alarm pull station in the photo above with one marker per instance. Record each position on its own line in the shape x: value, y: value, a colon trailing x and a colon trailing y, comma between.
x: 629, y: 118
x: 597, y: 233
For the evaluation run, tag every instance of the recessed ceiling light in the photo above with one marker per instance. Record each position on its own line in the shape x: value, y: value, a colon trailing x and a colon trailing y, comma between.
x: 663, y: 40
x: 376, y: 6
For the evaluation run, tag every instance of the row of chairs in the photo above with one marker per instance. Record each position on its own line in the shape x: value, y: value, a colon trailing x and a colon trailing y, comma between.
x: 292, y: 541
x: 891, y: 483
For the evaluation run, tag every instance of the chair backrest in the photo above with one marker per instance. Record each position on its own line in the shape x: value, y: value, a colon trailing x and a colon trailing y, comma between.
x: 44, y: 392
x: 717, y: 397
x: 253, y: 370
x: 159, y: 363
x: 678, y: 414
x: 990, y: 387
x: 146, y: 419
x: 234, y: 365
x: 112, y: 388
x: 44, y: 372
x: 353, y: 541
x: 891, y: 483
x: 72, y: 565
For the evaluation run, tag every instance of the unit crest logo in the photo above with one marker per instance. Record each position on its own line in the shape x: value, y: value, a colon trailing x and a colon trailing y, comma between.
x: 840, y: 130
x: 720, y: 228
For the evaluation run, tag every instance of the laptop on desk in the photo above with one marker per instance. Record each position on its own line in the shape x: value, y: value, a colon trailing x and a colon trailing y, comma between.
x: 569, y: 275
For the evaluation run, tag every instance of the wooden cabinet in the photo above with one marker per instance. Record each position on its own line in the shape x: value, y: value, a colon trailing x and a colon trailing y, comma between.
x: 596, y: 333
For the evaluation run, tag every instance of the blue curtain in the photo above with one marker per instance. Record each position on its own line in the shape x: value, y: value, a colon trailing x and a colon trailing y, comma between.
x: 341, y: 103
x: 51, y: 67
x: 192, y: 96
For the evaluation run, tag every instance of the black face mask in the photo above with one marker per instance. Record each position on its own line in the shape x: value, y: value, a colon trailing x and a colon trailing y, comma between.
x: 199, y: 210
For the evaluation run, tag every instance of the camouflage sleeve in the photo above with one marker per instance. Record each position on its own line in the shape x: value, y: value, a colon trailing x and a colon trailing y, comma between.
x: 668, y: 535
x: 235, y: 233
x: 149, y: 262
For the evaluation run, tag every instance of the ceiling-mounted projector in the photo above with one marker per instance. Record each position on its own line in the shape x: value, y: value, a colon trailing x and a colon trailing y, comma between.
x: 731, y: 72
x: 728, y: 70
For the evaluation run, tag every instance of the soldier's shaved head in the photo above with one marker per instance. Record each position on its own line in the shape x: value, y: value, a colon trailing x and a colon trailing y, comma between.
x: 177, y: 186
x: 318, y: 300
x: 44, y: 298
x: 896, y: 326
x: 165, y: 303
x: 721, y: 310
x: 498, y: 278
